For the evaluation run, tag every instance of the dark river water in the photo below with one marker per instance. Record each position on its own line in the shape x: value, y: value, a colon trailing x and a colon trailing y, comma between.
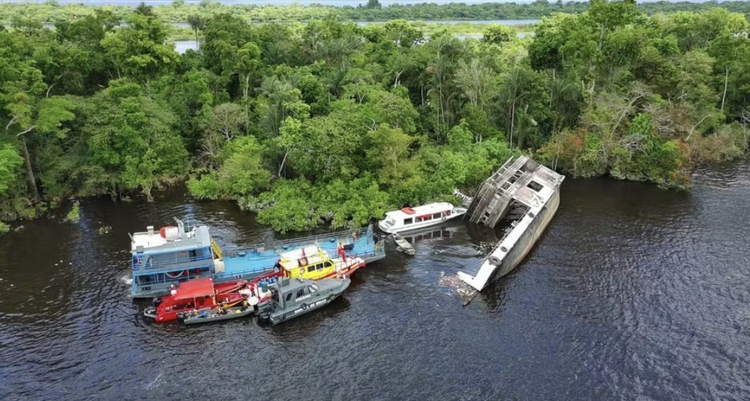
x: 632, y: 294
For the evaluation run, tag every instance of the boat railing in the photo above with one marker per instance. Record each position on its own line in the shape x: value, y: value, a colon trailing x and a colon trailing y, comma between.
x: 245, y: 273
x: 364, y: 255
x: 292, y: 243
x: 146, y: 263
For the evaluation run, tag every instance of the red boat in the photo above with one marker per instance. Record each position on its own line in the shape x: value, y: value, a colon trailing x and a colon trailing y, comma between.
x: 196, y: 295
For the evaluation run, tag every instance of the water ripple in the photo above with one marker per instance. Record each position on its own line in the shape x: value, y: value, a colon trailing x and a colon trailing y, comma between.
x: 633, y: 293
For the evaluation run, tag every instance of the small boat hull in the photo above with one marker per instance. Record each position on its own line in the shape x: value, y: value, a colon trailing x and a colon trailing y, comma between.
x: 303, y: 309
x: 297, y: 297
x: 210, y: 316
x: 169, y: 307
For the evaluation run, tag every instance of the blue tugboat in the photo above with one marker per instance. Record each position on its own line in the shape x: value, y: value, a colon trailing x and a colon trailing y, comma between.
x: 177, y: 254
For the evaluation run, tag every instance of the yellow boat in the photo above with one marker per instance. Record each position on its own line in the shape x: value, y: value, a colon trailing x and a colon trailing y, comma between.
x: 313, y: 263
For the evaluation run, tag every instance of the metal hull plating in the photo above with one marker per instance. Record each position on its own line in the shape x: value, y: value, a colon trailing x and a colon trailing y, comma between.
x: 528, y: 239
x: 523, y: 194
x: 288, y: 315
x: 294, y: 298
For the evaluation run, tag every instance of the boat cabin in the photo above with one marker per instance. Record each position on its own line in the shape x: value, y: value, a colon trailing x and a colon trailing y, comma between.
x: 194, y: 293
x: 169, y: 256
x: 314, y: 263
x: 290, y: 293
x: 308, y: 262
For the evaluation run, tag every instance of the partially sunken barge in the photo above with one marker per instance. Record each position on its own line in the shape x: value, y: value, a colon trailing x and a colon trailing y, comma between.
x: 522, y: 194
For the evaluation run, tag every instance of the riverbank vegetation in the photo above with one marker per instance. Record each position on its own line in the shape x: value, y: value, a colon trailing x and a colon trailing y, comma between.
x: 458, y: 29
x: 179, y: 11
x: 335, y: 122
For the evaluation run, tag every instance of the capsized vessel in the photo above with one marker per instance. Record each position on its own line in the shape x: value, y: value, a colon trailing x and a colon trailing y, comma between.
x: 524, y: 195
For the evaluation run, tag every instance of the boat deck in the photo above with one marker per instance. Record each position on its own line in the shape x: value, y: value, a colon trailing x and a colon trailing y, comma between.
x: 246, y: 262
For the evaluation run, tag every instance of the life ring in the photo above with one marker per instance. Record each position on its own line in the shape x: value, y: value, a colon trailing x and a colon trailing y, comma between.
x: 175, y: 276
x: 301, y: 271
x: 304, y: 306
x: 444, y: 218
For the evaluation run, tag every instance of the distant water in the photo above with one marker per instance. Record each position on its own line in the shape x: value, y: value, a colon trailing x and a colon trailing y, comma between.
x: 181, y: 46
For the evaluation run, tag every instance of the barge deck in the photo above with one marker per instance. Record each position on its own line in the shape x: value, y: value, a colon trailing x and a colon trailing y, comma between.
x: 176, y: 254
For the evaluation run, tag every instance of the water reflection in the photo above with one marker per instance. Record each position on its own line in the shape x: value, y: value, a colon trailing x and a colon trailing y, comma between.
x: 445, y: 230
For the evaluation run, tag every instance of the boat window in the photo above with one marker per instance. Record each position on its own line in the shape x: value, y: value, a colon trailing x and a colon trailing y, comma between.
x: 329, y: 263
x: 313, y: 287
x: 436, y: 216
x: 319, y: 266
x: 289, y: 297
x: 300, y: 292
x: 310, y: 268
x: 426, y: 218
x: 408, y: 221
x: 535, y: 186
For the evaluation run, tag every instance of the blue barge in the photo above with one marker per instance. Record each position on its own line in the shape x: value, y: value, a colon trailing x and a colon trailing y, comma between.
x: 176, y: 254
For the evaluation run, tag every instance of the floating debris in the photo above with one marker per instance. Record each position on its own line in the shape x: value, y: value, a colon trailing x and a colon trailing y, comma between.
x: 104, y: 230
x: 464, y: 290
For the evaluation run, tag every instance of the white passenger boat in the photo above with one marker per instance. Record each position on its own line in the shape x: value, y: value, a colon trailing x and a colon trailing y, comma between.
x: 408, y: 219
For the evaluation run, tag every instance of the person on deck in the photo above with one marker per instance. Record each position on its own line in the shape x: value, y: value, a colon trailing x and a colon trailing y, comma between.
x: 341, y: 252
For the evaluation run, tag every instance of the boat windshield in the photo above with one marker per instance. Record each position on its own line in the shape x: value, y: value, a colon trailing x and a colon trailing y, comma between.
x: 313, y: 287
x: 389, y: 221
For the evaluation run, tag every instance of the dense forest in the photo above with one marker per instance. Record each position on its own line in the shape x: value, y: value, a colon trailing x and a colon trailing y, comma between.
x: 370, y: 10
x: 332, y: 122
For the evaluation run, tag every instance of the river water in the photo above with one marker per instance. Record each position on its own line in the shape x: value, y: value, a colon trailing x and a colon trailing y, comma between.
x: 633, y: 293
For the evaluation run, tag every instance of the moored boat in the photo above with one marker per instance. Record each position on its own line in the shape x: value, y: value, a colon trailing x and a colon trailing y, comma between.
x: 171, y: 255
x: 293, y: 298
x: 196, y: 295
x: 217, y: 314
x: 314, y: 263
x: 408, y: 218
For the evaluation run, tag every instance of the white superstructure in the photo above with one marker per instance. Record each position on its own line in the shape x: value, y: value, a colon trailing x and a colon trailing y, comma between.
x: 524, y: 192
x: 408, y: 219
